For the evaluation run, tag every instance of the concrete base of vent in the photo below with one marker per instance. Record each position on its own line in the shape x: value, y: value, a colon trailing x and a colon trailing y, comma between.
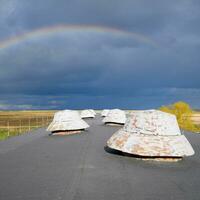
x: 66, y: 132
x: 87, y: 117
x: 114, y: 124
x: 144, y: 158
x: 162, y: 159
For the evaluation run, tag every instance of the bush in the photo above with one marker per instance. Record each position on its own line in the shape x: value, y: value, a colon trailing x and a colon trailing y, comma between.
x: 183, y: 112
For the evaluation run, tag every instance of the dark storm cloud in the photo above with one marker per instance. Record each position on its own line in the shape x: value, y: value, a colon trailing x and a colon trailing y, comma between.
x: 92, y: 65
x: 148, y: 17
x: 75, y: 66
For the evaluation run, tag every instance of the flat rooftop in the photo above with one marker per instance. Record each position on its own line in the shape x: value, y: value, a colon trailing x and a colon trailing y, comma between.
x: 36, y: 166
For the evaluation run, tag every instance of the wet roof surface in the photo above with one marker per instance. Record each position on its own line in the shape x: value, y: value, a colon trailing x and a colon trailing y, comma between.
x: 36, y: 166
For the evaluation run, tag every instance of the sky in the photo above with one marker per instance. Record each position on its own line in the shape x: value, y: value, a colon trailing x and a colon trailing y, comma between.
x: 99, y: 54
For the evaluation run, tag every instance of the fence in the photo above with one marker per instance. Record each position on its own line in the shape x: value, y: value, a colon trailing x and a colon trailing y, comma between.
x: 21, y: 125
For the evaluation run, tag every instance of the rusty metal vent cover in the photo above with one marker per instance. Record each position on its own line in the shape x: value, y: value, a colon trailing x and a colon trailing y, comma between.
x: 115, y: 116
x: 67, y: 120
x: 152, y: 134
x: 104, y: 113
x: 87, y: 114
x: 92, y: 111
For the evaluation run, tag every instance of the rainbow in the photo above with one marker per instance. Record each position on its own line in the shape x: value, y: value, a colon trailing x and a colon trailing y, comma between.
x: 9, y: 42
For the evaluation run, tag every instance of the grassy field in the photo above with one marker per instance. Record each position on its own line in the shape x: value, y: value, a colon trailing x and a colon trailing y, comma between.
x: 14, y: 123
x: 195, y: 118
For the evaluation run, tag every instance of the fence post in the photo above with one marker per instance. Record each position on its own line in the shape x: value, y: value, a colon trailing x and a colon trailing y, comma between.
x: 8, y: 127
x: 29, y: 124
x: 20, y: 126
x: 37, y: 125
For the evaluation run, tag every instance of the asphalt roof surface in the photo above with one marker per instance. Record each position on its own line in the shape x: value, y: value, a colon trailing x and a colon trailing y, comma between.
x: 37, y: 166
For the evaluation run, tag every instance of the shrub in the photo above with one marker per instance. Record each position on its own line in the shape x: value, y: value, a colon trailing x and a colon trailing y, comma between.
x: 183, y: 112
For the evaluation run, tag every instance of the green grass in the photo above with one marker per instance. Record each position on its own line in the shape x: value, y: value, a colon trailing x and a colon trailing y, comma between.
x: 3, y: 134
x: 13, y: 132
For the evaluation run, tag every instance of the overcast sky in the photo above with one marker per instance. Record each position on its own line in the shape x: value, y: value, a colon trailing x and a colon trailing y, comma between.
x: 77, y: 68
